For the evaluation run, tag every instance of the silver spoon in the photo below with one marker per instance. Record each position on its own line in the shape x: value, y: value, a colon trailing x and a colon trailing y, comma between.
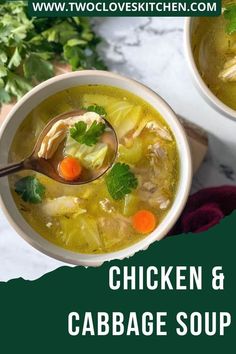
x: 46, y: 167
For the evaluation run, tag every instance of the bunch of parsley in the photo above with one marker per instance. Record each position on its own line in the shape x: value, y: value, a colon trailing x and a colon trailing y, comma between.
x: 230, y: 16
x: 29, y: 45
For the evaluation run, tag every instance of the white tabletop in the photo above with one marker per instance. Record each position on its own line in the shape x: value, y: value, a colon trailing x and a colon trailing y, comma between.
x: 151, y: 51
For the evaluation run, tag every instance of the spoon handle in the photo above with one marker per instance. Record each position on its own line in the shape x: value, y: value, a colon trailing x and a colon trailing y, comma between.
x: 14, y: 167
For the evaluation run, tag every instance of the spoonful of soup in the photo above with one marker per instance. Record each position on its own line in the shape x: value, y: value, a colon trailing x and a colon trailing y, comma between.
x: 75, y: 147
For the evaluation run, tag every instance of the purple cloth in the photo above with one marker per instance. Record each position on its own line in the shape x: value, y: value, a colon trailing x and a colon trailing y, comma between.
x: 205, y: 209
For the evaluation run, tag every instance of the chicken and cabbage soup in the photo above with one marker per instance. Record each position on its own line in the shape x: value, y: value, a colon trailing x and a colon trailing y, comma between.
x: 214, y: 49
x: 122, y: 206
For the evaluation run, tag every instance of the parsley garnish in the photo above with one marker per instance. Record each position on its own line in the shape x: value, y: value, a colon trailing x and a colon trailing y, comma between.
x: 28, y: 46
x: 230, y: 16
x: 97, y: 109
x: 88, y: 137
x: 120, y: 181
x: 30, y: 189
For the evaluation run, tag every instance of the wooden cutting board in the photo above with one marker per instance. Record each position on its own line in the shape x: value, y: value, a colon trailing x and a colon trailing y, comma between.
x: 198, y: 141
x: 197, y: 137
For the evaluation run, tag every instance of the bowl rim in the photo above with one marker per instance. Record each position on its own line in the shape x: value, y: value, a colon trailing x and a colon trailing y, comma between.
x: 99, y: 259
x: 207, y: 93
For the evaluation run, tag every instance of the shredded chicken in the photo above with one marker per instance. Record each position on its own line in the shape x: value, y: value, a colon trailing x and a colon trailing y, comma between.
x: 114, y: 230
x: 62, y: 206
x: 155, y: 127
x: 164, y: 204
x: 157, y: 150
x: 140, y: 128
x: 159, y: 129
x: 149, y: 186
x: 106, y: 206
x: 155, y: 197
x: 59, y: 130
x: 228, y: 74
x: 52, y: 140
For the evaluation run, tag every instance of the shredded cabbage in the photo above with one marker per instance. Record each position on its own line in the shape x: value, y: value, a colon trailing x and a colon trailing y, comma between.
x: 91, y: 157
x: 122, y: 114
x: 81, y: 231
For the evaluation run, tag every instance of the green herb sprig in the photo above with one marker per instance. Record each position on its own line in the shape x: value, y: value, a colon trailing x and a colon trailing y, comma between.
x: 30, y: 189
x: 28, y: 48
x: 120, y: 181
x: 230, y: 16
x: 90, y: 136
x: 97, y: 109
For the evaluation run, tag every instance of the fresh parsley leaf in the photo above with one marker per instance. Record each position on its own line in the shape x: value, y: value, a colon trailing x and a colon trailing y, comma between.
x: 30, y: 189
x: 88, y: 137
x: 3, y: 56
x: 78, y: 130
x: 230, y: 16
x: 37, y: 69
x: 4, y: 96
x: 76, y: 41
x: 3, y: 71
x: 93, y: 133
x: 97, y: 109
x: 61, y: 32
x: 90, y: 59
x: 120, y: 181
x: 72, y: 54
x: 16, y: 85
x: 15, y: 59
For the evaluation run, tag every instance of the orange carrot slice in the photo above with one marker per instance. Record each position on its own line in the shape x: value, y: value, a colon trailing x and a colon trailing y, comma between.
x: 70, y: 168
x: 144, y: 221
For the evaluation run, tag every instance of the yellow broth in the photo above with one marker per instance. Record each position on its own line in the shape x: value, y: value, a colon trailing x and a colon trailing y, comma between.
x: 102, y: 224
x: 212, y: 48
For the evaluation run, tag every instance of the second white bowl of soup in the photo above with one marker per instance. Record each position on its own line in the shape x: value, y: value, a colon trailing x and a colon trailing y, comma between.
x: 210, y: 44
x: 134, y: 204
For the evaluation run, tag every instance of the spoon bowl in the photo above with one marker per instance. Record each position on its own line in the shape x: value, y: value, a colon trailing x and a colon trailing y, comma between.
x: 46, y: 167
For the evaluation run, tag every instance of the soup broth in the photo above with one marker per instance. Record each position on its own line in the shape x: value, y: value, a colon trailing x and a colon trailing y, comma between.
x: 213, y: 50
x: 88, y: 218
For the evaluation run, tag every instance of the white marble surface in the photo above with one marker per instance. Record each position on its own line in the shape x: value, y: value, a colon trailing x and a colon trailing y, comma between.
x: 151, y: 51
